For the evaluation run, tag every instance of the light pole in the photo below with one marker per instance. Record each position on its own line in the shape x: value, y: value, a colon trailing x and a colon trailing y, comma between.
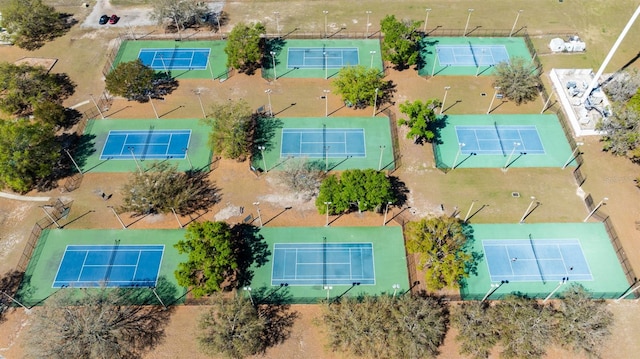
x: 328, y: 289
x: 268, y: 92
x: 326, y: 102
x: 395, y: 289
x: 97, y: 107
x: 325, y: 12
x: 380, y: 161
x: 495, y: 93
x: 386, y: 210
x: 546, y: 103
x: 118, y: 217
x: 464, y: 34
x: 455, y: 161
x: 186, y: 155
x: 273, y: 60
x: 375, y: 102
x: 257, y: 204
x: 327, y: 221
x: 526, y: 213
x: 248, y: 290
x: 515, y: 22
x: 560, y: 284
x: 154, y: 107
x: 426, y: 19
x: 446, y: 91
x: 164, y: 66
x: 372, y: 52
x: 603, y: 202
x: 466, y: 217
x: 506, y: 164
x: 277, y: 15
x: 479, y: 63
x: 72, y: 160
x: 176, y: 217
x: 433, y: 68
x: 130, y: 148
x: 204, y: 114
x: 50, y: 216
x: 578, y: 144
x: 264, y: 162
x: 492, y: 288
x: 368, y: 24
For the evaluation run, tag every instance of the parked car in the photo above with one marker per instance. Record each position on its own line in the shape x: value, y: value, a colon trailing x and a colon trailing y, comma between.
x: 103, y: 19
x: 113, y: 19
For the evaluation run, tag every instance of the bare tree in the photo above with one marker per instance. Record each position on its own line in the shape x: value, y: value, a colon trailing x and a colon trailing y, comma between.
x: 302, y: 176
x: 476, y: 334
x: 95, y: 323
x: 623, y: 85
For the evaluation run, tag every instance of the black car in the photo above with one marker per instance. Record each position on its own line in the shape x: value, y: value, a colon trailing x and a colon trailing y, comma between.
x: 103, y: 19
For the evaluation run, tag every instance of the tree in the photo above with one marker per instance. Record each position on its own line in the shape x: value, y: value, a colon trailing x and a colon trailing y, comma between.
x: 366, y: 189
x: 518, y: 80
x: 231, y: 129
x: 301, y: 176
x: 525, y: 327
x: 181, y: 13
x: 24, y: 87
x: 132, y: 80
x: 28, y: 154
x: 386, y: 326
x: 244, y: 47
x: 163, y: 189
x: 96, y: 323
x: 440, y: 242
x: 584, y: 323
x: 32, y: 23
x: 477, y: 335
x: 621, y: 132
x: 211, y: 257
x: 623, y: 86
x: 400, y: 41
x: 421, y: 119
x: 232, y: 327
x: 360, y: 85
x: 50, y: 113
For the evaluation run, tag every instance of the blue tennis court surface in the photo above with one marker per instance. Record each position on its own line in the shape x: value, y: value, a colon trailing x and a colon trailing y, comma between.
x: 526, y: 260
x: 111, y: 266
x: 499, y: 140
x: 316, y: 142
x: 322, y: 264
x: 320, y: 58
x: 175, y: 59
x: 146, y: 144
x: 471, y: 55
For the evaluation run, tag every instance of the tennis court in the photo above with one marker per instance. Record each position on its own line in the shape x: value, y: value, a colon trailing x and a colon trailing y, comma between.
x: 468, y: 56
x: 319, y: 58
x: 175, y: 59
x: 181, y: 59
x: 534, y: 259
x: 150, y: 144
x: 86, y: 266
x: 471, y: 55
x: 335, y: 143
x: 499, y: 140
x: 126, y: 145
x: 318, y: 143
x: 326, y: 264
x: 308, y: 264
x: 136, y: 259
x: 525, y: 260
x: 502, y: 141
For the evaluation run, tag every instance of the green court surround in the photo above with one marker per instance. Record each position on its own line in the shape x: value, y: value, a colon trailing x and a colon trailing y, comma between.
x: 199, y: 152
x: 608, y: 281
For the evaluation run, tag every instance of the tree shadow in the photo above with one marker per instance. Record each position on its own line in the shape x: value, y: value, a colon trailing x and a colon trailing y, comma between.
x: 274, y: 45
x: 422, y: 46
x: 80, y: 147
x: 471, y: 267
x: 388, y: 89
x: 163, y: 84
x: 278, y: 317
x: 263, y: 130
x: 436, y: 127
x: 9, y: 284
x: 251, y: 251
x: 399, y: 191
x: 202, y: 195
